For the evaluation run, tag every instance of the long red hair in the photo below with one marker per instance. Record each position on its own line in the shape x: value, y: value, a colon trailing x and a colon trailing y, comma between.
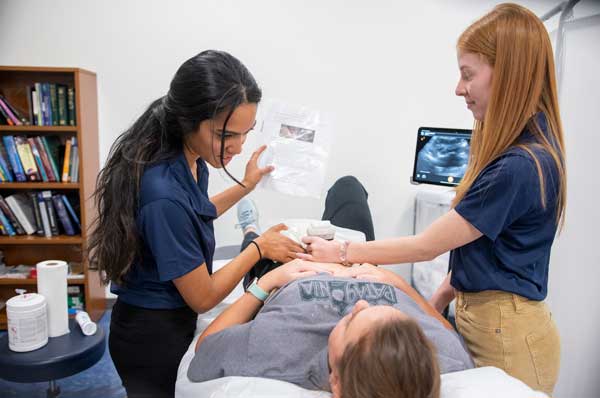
x: 516, y: 44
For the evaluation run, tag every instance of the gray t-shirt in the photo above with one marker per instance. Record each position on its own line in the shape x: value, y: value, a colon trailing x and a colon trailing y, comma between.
x: 287, y: 340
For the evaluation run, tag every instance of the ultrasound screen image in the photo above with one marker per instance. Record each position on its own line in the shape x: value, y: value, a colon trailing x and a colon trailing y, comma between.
x: 442, y: 157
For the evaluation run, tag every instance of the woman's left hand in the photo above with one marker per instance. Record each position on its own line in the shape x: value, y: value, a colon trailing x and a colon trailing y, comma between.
x: 253, y: 172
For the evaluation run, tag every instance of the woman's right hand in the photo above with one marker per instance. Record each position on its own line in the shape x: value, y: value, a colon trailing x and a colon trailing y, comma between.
x: 320, y: 250
x: 276, y: 246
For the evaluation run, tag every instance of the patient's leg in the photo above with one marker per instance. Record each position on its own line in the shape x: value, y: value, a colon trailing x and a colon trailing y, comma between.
x: 247, y: 214
x: 346, y: 206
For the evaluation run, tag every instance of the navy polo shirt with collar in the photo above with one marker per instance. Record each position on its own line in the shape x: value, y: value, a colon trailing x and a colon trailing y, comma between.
x: 175, y: 224
x: 504, y: 204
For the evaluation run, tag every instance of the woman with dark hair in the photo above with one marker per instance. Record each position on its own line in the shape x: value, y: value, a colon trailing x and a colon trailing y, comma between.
x: 154, y: 237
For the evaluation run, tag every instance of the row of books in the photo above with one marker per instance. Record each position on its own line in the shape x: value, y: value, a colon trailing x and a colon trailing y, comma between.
x: 44, y: 213
x: 37, y: 158
x: 49, y: 105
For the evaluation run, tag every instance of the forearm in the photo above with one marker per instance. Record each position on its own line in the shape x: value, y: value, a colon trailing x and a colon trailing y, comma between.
x: 401, y: 284
x: 225, y: 279
x: 246, y: 307
x: 241, y: 311
x: 444, y: 294
x: 229, y: 197
x: 202, y: 291
x: 446, y: 233
x: 407, y: 249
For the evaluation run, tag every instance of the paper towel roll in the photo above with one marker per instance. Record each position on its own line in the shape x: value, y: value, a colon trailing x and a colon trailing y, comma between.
x: 52, y: 284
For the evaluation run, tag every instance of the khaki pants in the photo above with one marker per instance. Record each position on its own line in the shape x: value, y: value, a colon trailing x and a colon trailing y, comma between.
x: 512, y: 333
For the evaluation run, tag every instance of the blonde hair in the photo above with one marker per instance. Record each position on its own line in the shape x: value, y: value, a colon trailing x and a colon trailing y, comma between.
x: 516, y: 44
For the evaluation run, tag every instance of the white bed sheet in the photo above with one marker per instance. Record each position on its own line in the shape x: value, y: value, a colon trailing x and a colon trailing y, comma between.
x: 488, y: 382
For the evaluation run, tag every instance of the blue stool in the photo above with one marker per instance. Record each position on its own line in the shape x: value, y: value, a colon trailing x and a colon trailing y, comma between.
x: 63, y: 356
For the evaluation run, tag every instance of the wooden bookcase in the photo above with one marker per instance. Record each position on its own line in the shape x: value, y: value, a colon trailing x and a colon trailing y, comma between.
x: 30, y: 249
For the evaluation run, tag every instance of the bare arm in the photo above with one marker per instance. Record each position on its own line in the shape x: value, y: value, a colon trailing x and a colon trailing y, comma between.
x: 444, y: 294
x: 446, y: 233
x: 241, y: 311
x: 202, y: 291
x: 401, y: 284
x: 225, y: 200
x: 246, y: 307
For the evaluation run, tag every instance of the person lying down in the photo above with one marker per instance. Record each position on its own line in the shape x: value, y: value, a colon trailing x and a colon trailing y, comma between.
x: 359, y: 331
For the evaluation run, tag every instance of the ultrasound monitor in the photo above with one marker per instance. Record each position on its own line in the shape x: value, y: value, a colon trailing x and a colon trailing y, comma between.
x: 441, y: 156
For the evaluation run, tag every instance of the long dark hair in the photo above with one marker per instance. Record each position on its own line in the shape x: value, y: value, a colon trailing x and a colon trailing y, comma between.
x: 206, y: 85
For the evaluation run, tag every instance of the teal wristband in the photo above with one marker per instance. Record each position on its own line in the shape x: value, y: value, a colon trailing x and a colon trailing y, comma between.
x: 257, y: 291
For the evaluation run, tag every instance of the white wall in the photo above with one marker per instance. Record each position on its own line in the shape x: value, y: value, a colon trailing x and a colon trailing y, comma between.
x: 575, y: 264
x: 380, y: 70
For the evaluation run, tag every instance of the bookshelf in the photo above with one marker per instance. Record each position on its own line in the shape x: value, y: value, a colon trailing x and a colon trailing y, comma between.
x: 30, y: 249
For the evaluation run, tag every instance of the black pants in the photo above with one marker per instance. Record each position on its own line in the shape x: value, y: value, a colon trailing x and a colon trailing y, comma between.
x: 345, y: 206
x: 147, y: 345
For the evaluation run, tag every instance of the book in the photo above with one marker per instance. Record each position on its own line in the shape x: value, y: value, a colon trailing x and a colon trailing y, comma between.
x: 47, y: 196
x: 27, y: 160
x: 75, y: 168
x: 8, y: 111
x: 44, y: 215
x: 13, y: 157
x: 73, y: 157
x: 71, y: 210
x: 53, y: 104
x: 4, y: 165
x: 11, y: 217
x: 14, y: 111
x: 75, y: 295
x: 6, y: 224
x: 45, y: 159
x: 61, y: 92
x: 32, y: 117
x: 45, y: 101
x: 5, y: 117
x: 61, y: 212
x: 38, y: 94
x: 51, y: 145
x: 33, y: 197
x: 38, y: 159
x: 22, y: 209
x: 72, y: 112
x: 66, y: 162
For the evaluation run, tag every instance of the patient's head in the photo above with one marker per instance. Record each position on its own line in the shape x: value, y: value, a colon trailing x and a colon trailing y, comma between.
x: 378, y: 351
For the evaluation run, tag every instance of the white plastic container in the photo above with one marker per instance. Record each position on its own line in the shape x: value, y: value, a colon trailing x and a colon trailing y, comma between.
x: 27, y: 322
x: 87, y: 326
x: 322, y: 229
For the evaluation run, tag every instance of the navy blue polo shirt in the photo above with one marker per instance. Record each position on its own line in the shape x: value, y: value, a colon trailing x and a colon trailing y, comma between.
x: 175, y: 224
x: 504, y: 204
